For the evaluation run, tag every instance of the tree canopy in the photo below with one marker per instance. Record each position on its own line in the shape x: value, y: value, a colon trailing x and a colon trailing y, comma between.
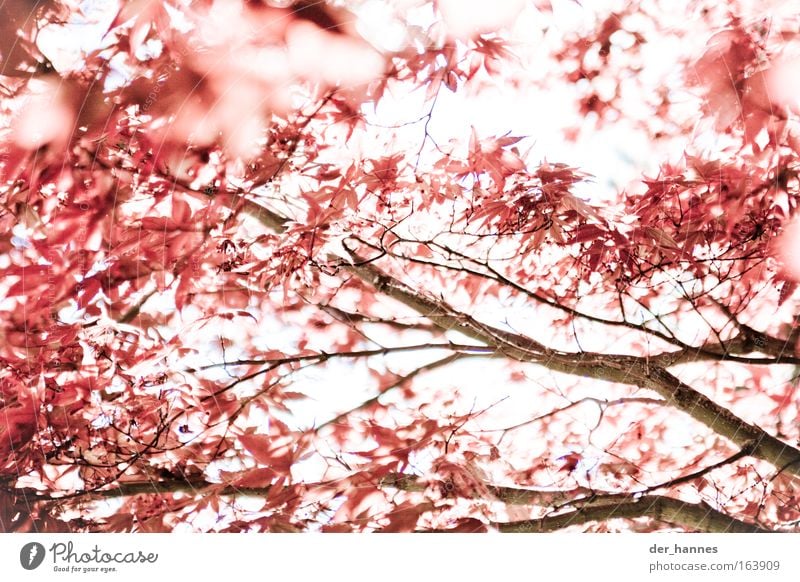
x: 524, y: 265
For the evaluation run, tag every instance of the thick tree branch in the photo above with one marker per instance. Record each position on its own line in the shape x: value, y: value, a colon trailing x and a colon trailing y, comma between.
x: 623, y: 369
x: 193, y: 486
x: 592, y: 505
x: 596, y: 506
x: 608, y: 367
x: 693, y: 516
x: 548, y: 497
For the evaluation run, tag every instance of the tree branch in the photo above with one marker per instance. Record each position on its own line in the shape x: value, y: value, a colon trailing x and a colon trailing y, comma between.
x: 399, y: 382
x: 596, y: 506
x: 608, y: 367
x: 325, y: 356
x: 352, y: 318
x: 511, y: 495
x: 198, y: 486
x: 719, y: 351
x: 622, y: 369
x: 694, y: 516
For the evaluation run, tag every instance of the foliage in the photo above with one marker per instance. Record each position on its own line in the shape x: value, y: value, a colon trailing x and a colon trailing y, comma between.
x: 251, y: 283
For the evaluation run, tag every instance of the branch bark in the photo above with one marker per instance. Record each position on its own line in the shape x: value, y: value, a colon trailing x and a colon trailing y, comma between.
x: 596, y: 506
x: 695, y: 516
x: 607, y: 367
x: 509, y: 495
x: 591, y: 505
x: 624, y: 369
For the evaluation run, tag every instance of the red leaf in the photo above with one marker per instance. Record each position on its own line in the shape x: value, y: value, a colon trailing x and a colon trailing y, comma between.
x: 405, y: 517
x: 181, y: 211
x: 258, y: 477
x: 257, y: 445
